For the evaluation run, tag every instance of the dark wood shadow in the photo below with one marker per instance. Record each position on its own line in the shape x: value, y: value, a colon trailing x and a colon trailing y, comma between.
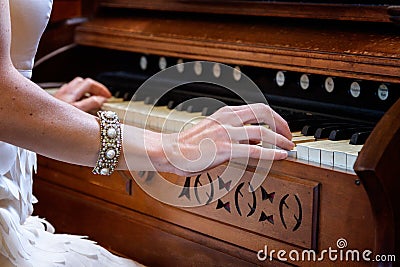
x: 378, y: 167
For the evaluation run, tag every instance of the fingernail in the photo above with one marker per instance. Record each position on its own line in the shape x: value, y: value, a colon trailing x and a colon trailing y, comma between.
x: 101, y: 99
x: 292, y: 144
x: 283, y: 154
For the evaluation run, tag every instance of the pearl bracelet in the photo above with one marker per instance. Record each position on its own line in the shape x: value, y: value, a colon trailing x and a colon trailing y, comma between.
x: 110, y: 140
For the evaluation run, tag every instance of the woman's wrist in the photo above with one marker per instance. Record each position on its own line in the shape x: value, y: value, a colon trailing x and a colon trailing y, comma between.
x: 144, y: 150
x: 156, y: 146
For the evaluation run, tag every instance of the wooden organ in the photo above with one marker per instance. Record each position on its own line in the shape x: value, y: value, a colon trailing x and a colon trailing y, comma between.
x: 327, y: 67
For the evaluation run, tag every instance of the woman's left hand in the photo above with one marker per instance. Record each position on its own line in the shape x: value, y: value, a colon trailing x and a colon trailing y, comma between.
x: 85, y: 94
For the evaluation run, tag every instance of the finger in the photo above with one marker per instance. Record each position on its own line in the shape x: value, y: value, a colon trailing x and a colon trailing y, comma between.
x: 90, y: 103
x: 261, y: 113
x: 225, y: 109
x: 257, y: 152
x: 67, y: 91
x: 259, y: 133
x: 75, y: 82
x: 70, y: 87
x: 92, y: 87
x: 282, y: 126
x: 241, y: 115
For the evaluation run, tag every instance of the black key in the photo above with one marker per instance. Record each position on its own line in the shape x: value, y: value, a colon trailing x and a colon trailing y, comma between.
x: 161, y: 101
x: 191, y: 106
x: 297, y: 124
x: 149, y: 100
x: 210, y: 108
x: 359, y: 138
x: 180, y: 107
x: 117, y: 94
x: 171, y: 104
x: 127, y: 96
x: 311, y: 129
x: 207, y: 111
x: 346, y: 133
x: 122, y: 82
x: 324, y: 132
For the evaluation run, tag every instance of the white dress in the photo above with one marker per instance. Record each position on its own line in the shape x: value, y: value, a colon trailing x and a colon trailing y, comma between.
x: 27, y: 240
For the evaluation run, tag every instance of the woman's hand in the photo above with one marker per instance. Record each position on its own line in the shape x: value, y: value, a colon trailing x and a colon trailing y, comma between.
x: 228, y: 134
x: 85, y: 94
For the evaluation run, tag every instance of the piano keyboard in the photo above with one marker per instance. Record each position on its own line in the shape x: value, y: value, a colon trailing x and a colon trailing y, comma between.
x: 160, y: 119
x: 338, y: 154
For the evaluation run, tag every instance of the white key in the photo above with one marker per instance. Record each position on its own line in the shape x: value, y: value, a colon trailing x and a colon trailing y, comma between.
x: 327, y: 157
x: 314, y: 152
x: 156, y: 120
x: 137, y: 113
x: 303, y: 149
x: 292, y: 153
x: 115, y: 100
x: 311, y: 151
x: 340, y: 155
x: 119, y: 108
x: 327, y: 153
x: 302, y: 139
x: 321, y: 152
x: 351, y: 158
x: 298, y: 133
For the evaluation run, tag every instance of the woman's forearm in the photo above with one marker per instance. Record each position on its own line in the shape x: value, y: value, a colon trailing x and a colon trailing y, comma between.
x: 32, y: 119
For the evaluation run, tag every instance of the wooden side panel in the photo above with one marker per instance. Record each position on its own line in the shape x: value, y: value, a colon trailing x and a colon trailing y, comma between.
x: 129, y: 233
x: 343, y: 212
x: 283, y: 207
x: 378, y: 167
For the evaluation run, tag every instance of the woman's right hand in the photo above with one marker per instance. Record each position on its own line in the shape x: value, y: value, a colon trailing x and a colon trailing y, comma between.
x: 227, y: 134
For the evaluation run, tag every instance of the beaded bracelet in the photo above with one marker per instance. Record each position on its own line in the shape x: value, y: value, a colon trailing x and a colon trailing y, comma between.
x: 110, y: 140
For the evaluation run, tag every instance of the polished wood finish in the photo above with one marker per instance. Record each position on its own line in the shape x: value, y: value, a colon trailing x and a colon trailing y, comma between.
x: 60, y: 30
x: 360, y: 53
x: 301, y: 9
x: 343, y: 212
x: 378, y: 167
x: 130, y: 233
x: 65, y: 9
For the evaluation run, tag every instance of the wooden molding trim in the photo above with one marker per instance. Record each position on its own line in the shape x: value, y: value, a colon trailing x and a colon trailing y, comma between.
x: 330, y: 51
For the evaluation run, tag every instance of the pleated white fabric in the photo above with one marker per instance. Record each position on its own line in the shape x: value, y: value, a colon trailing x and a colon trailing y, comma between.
x: 27, y: 240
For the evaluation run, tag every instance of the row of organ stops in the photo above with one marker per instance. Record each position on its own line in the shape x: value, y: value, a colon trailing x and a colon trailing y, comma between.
x: 318, y: 138
x: 197, y: 67
x: 320, y: 128
x: 355, y: 88
x: 329, y: 85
